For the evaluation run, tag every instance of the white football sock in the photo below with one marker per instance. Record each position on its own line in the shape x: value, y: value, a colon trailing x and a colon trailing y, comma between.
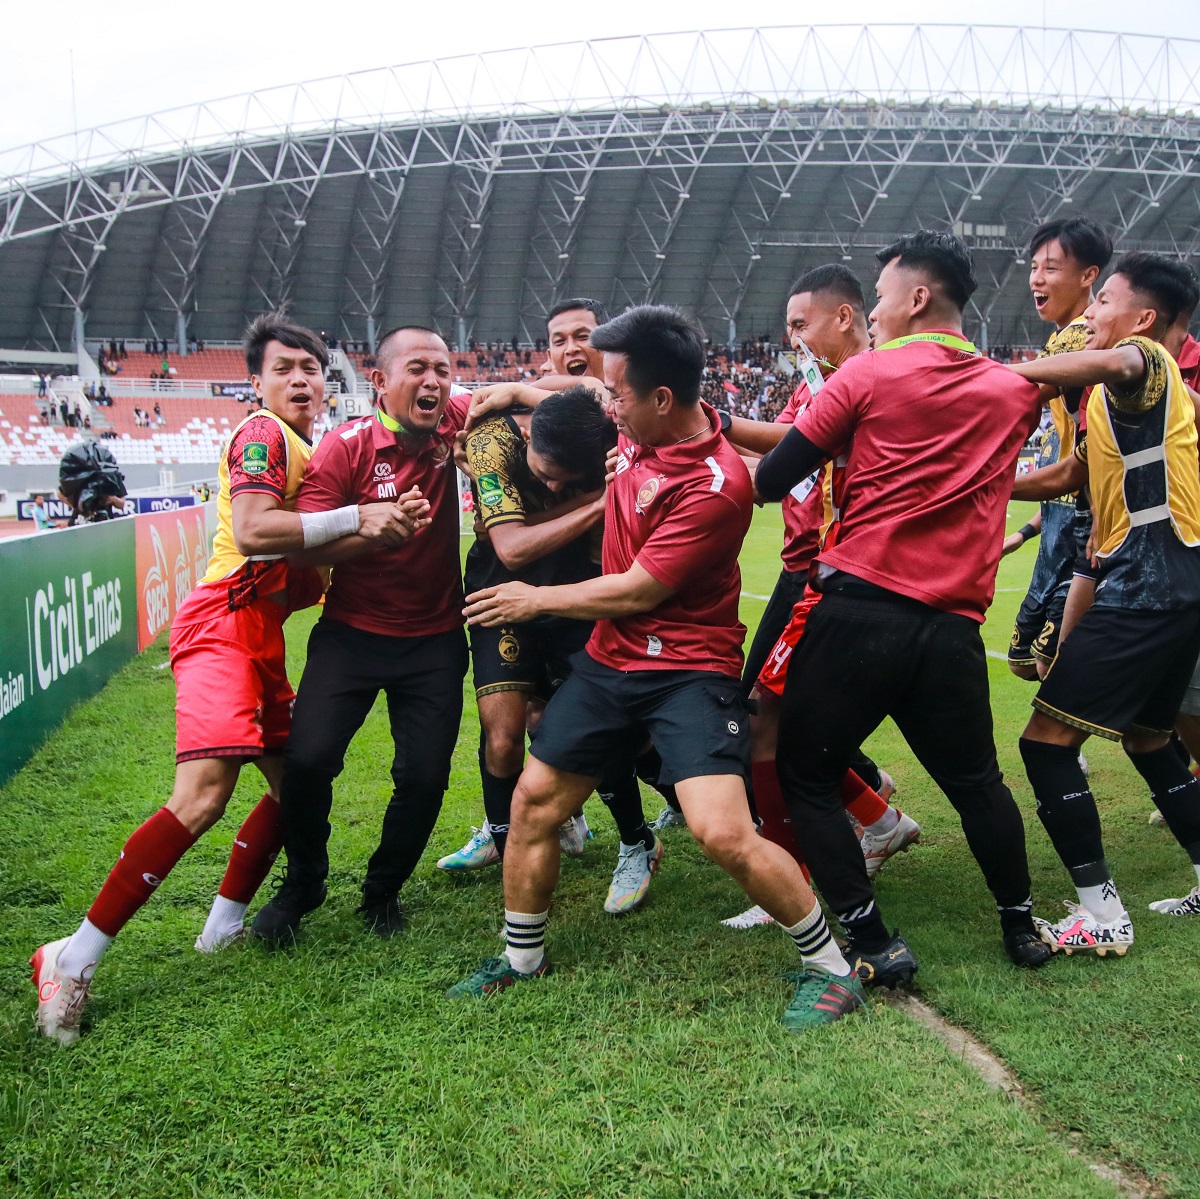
x: 225, y: 919
x: 885, y: 823
x: 83, y: 951
x: 1103, y: 901
x: 525, y: 934
x: 816, y: 944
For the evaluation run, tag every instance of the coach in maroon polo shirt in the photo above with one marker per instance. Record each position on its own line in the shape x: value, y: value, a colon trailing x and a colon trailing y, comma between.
x: 392, y: 623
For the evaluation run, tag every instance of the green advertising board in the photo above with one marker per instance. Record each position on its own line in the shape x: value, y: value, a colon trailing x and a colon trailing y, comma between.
x: 68, y: 621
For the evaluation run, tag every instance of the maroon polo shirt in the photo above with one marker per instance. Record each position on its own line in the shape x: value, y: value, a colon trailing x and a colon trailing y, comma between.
x: 413, y: 589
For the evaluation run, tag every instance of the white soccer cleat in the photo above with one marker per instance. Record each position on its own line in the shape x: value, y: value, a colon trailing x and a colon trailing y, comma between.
x: 631, y: 878
x: 220, y: 941
x: 877, y: 849
x: 668, y: 818
x: 61, y: 999
x: 479, y: 851
x: 1189, y: 905
x: 1081, y: 932
x: 750, y: 918
x: 573, y: 833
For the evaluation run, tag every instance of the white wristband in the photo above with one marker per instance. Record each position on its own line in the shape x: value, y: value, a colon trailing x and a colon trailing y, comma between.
x: 322, y: 527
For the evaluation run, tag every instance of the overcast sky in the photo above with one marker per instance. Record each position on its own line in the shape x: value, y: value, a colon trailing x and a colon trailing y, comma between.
x: 130, y: 57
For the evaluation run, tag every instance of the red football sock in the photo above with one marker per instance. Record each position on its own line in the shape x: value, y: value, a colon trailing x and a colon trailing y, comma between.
x: 254, y: 851
x: 860, y: 800
x: 148, y: 857
x: 772, y: 810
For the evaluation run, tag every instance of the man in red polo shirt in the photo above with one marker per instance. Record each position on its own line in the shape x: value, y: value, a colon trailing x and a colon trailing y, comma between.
x: 663, y: 660
x: 930, y: 431
x: 392, y: 623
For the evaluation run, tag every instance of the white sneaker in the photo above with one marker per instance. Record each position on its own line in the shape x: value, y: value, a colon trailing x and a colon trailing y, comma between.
x: 1189, y: 905
x: 668, y: 818
x: 631, y: 878
x: 573, y: 833
x: 479, y: 851
x: 220, y: 941
x: 1081, y: 932
x: 877, y: 849
x: 750, y: 918
x: 61, y: 999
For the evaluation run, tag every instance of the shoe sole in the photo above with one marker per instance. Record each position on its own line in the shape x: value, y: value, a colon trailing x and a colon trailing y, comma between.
x: 915, y: 840
x: 1101, y: 951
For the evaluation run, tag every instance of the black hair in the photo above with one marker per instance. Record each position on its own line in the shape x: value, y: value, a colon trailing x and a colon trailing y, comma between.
x: 383, y: 355
x: 595, y: 307
x: 1083, y: 240
x: 942, y: 256
x: 832, y: 279
x: 1169, y: 285
x: 663, y: 347
x: 572, y: 429
x: 276, y: 326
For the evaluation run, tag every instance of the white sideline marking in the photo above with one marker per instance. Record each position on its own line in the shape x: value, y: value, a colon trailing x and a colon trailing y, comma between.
x: 755, y: 595
x: 995, y: 653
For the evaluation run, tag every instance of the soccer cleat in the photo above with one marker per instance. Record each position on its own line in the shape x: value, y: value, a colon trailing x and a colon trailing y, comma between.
x: 821, y: 998
x: 61, y: 999
x: 750, y: 918
x: 1156, y: 817
x: 1081, y: 932
x: 382, y: 914
x: 891, y: 966
x: 877, y: 849
x: 495, y: 975
x: 1189, y: 905
x: 887, y: 786
x: 631, y: 878
x: 219, y: 942
x: 573, y: 834
x: 668, y: 818
x: 479, y: 851
x: 1027, y: 949
x: 278, y: 921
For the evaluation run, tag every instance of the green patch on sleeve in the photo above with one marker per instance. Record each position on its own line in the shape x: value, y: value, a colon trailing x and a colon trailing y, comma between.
x: 254, y: 457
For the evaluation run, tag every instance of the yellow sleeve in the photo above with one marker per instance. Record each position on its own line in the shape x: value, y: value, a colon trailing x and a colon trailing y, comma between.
x: 493, y: 448
x: 1066, y: 340
x: 1153, y: 386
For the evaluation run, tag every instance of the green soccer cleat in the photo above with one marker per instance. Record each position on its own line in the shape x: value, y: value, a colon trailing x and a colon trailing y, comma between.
x: 822, y: 998
x: 495, y: 975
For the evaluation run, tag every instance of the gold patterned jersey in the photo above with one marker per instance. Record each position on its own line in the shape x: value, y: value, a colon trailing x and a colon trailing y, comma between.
x: 1144, y: 476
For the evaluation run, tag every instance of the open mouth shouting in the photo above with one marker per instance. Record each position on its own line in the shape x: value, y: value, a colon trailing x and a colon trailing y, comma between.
x: 427, y: 404
x: 1040, y: 300
x: 577, y: 366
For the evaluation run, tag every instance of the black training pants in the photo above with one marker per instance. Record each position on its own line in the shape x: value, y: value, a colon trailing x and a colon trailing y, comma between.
x: 862, y: 659
x: 346, y: 669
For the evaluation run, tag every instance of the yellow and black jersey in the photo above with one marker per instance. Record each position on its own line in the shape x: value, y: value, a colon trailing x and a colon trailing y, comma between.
x: 1144, y: 477
x: 1064, y: 408
x: 506, y: 492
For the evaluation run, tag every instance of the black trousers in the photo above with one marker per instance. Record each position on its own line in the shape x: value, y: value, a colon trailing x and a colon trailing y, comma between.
x: 346, y: 669
x: 787, y: 593
x: 868, y: 658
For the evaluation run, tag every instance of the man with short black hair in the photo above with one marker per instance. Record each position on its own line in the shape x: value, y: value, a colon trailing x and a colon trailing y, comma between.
x: 930, y: 431
x: 1124, y: 669
x: 233, y: 699
x: 663, y: 660
x: 391, y: 624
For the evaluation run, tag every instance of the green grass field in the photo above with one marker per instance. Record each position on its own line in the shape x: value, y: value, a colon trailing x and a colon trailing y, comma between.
x: 651, y: 1064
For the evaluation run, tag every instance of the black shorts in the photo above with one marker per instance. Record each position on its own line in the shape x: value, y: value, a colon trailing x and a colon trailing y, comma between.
x: 1122, y: 669
x: 1035, y: 634
x: 531, y: 658
x: 698, y: 720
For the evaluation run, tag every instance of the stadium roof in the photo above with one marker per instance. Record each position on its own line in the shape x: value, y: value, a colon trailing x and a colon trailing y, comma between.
x: 704, y: 169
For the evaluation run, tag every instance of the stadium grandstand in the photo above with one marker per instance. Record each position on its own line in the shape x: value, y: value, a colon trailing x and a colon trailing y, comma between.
x: 701, y: 169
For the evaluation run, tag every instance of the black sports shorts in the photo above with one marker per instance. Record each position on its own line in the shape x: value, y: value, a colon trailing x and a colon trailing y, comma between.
x: 1035, y: 633
x: 698, y: 720
x: 531, y: 658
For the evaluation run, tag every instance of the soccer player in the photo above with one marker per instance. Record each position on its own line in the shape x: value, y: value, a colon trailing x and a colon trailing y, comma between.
x: 525, y: 467
x: 663, y: 659
x: 233, y: 702
x: 1125, y: 667
x: 391, y: 623
x: 931, y: 431
x: 1066, y: 258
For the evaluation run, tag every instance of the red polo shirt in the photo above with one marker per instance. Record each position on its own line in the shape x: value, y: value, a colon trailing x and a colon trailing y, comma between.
x: 681, y: 512
x: 804, y: 505
x: 415, y: 588
x: 931, y: 436
x: 1189, y: 362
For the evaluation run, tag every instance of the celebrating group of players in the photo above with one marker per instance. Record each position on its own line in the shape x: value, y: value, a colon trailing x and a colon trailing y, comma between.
x: 602, y: 600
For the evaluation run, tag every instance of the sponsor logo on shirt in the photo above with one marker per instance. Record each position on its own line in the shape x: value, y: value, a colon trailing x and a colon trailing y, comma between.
x: 254, y: 457
x: 387, y: 491
x: 490, y: 491
x: 623, y: 460
x: 383, y: 470
x: 653, y: 646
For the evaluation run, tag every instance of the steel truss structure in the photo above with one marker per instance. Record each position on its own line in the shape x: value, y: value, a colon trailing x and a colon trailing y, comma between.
x: 702, y: 169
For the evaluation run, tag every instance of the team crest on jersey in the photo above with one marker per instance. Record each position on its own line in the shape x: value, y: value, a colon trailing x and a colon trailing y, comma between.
x: 510, y: 648
x: 254, y: 457
x: 647, y: 492
x: 653, y: 646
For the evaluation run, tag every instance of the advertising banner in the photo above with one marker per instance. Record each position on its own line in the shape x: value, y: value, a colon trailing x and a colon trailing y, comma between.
x: 68, y: 609
x: 56, y: 509
x: 140, y: 504
x: 172, y: 555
